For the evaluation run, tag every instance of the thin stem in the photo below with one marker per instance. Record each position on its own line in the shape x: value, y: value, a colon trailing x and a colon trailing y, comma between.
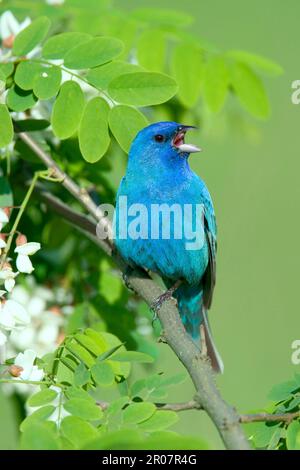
x: 28, y: 382
x: 18, y: 218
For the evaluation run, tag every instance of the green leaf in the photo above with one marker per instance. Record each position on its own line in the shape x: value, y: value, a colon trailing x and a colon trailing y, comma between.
x: 93, y: 133
x: 160, y: 420
x: 293, y: 436
x: 81, y: 376
x: 74, y: 392
x: 89, y: 344
x: 137, y: 387
x: 125, y: 122
x: 25, y: 152
x: 31, y: 36
x: 250, y: 91
x: 138, y: 412
x: 6, y: 196
x: 26, y: 73
x: 7, y: 69
x: 122, y: 439
x: 83, y: 409
x: 81, y: 353
x: 117, y: 405
x: 77, y: 430
x: 165, y: 440
x: 39, y: 436
x: 262, y: 433
x: 2, y: 80
x: 216, y: 83
x: 39, y: 415
x: 20, y: 100
x: 163, y: 17
x: 273, y: 443
x: 100, y: 77
x: 132, y: 356
x: 97, y: 338
x: 142, y: 88
x: 6, y: 126
x: 188, y: 70
x: 103, y: 374
x: 151, y: 50
x: 256, y: 61
x: 172, y: 380
x: 59, y: 45
x: 95, y: 52
x: 68, y: 109
x: 295, y: 402
x: 47, y: 82
x: 42, y: 398
x: 31, y: 125
x: 107, y: 354
x: 283, y: 391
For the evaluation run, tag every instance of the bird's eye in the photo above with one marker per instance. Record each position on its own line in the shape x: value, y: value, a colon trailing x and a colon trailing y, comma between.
x: 159, y: 138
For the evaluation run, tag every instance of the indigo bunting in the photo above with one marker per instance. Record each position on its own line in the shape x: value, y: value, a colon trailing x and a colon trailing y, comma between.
x: 158, y: 202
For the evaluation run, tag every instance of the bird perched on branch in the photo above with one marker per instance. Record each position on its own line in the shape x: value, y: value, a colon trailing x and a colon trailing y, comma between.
x: 165, y: 222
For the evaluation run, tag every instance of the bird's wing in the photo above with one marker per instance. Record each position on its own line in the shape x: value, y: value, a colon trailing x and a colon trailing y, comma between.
x: 209, y: 278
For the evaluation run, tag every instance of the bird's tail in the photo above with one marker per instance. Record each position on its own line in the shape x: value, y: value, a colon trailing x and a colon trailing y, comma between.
x: 194, y: 317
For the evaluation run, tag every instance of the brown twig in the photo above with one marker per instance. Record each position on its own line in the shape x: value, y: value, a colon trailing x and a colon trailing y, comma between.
x: 269, y: 418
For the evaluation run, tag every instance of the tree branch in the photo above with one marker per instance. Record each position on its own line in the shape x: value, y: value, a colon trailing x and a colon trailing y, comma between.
x: 270, y: 418
x: 189, y: 405
x: 198, y: 366
x: 80, y: 194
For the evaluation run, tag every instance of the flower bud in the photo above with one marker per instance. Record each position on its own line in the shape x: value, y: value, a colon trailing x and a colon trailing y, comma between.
x: 55, y: 309
x: 15, y: 371
x: 8, y: 42
x: 7, y: 211
x: 7, y: 265
x: 21, y: 239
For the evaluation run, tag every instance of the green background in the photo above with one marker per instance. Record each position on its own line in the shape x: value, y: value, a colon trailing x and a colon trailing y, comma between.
x: 254, y: 182
x: 253, y: 176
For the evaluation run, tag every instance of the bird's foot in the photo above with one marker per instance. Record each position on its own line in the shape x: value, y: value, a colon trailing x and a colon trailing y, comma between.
x: 126, y: 275
x: 157, y: 303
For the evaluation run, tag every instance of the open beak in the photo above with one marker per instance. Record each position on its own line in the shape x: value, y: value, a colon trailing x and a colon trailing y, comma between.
x: 178, y: 141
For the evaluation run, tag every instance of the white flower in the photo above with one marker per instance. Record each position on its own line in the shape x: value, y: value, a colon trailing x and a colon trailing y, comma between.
x: 30, y: 371
x: 28, y: 249
x: 23, y: 262
x: 3, y: 218
x: 3, y: 338
x: 13, y: 315
x: 2, y: 243
x: 8, y: 276
x: 9, y: 25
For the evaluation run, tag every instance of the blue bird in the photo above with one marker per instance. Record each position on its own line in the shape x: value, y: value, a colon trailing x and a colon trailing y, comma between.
x: 158, y: 173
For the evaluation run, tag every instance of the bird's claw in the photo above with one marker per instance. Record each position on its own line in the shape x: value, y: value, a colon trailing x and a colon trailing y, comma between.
x: 167, y: 295
x: 125, y: 277
x: 157, y: 303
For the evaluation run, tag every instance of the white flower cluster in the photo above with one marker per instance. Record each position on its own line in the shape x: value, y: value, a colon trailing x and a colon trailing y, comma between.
x: 26, y: 318
x: 13, y: 315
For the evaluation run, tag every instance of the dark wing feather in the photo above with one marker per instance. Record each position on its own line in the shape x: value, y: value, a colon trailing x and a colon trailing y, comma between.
x: 209, y: 278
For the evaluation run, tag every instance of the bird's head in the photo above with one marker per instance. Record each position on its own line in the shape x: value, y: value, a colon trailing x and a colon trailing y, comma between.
x: 162, y: 142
